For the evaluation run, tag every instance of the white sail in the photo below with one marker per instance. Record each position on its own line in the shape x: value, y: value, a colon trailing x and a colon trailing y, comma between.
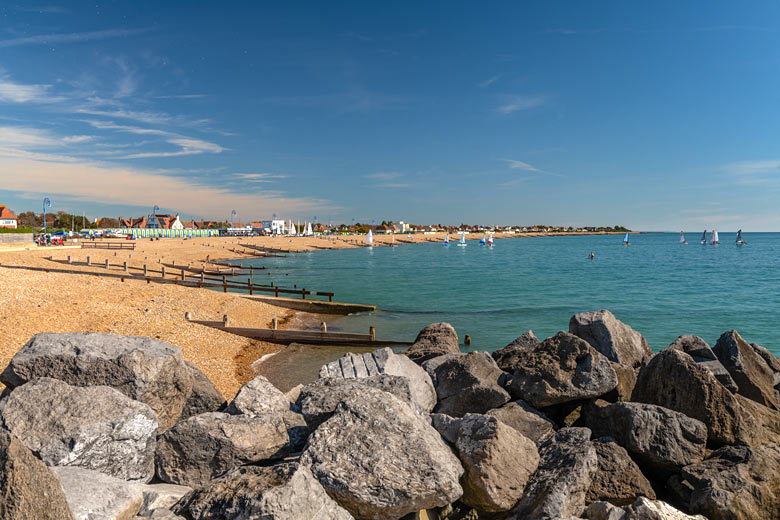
x: 369, y: 238
x: 293, y: 231
x: 483, y: 240
x: 447, y: 239
x: 625, y: 240
x: 717, y: 241
x: 309, y: 232
x: 490, y: 240
x: 682, y: 238
x: 462, y: 242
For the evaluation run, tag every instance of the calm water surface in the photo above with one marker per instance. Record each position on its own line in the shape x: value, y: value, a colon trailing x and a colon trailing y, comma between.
x: 659, y: 287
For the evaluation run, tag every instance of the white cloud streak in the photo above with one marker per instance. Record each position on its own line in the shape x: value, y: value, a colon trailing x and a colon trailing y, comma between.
x: 489, y: 81
x: 383, y: 175
x: 754, y: 173
x: 11, y: 92
x: 518, y: 103
x: 51, y: 39
x: 520, y: 165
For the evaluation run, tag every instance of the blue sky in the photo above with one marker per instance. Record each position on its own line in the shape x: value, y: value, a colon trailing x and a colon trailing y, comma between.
x: 654, y: 115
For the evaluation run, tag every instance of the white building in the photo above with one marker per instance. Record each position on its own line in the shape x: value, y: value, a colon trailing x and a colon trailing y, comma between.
x: 278, y: 227
x: 177, y: 224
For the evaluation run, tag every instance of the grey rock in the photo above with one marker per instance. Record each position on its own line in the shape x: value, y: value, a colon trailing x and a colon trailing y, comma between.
x: 319, y: 399
x: 434, y: 340
x: 297, y: 429
x: 293, y: 393
x: 748, y: 369
x: 557, y: 490
x: 610, y: 336
x: 498, y: 461
x: 258, y: 396
x: 92, y: 495
x: 469, y: 384
x: 661, y: 439
x: 28, y: 489
x: 432, y: 364
x: 722, y: 375
x: 642, y: 509
x: 286, y: 491
x: 385, y: 361
x: 618, y: 479
x: 160, y: 514
x: 93, y: 427
x: 736, y: 482
x: 197, y: 450
x: 447, y: 426
x: 701, y: 352
x: 562, y: 369
x: 626, y: 377
x: 507, y: 357
x: 523, y: 418
x: 143, y: 369
x: 204, y: 396
x: 772, y: 362
x: 159, y: 497
x: 380, y: 460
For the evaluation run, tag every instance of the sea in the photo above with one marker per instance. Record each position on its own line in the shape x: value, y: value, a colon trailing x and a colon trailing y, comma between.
x: 656, y: 285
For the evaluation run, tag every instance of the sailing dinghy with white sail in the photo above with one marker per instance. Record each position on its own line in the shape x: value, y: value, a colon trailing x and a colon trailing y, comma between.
x: 482, y: 240
x: 704, y: 237
x: 447, y: 240
x: 462, y: 242
x: 626, y: 241
x: 740, y: 240
x: 714, y: 241
x: 490, y: 240
x: 370, y: 239
x: 682, y: 238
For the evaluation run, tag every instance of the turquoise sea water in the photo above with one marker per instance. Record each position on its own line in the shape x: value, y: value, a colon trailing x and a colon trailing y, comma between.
x: 659, y: 287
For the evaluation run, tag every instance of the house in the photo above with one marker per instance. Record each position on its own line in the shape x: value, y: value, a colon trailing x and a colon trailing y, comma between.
x: 134, y: 223
x: 7, y: 219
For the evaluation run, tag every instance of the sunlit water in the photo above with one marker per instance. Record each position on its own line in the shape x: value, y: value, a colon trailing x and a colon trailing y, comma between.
x: 659, y: 287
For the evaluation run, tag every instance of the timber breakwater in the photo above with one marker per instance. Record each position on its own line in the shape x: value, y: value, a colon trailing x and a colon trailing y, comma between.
x: 588, y: 423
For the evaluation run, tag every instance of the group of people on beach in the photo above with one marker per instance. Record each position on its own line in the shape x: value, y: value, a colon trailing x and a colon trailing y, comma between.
x: 45, y: 239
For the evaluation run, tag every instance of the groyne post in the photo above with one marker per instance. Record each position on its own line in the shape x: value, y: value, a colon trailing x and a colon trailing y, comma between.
x: 273, y: 323
x: 372, y: 333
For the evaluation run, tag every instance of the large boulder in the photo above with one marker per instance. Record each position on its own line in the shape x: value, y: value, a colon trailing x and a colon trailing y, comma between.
x: 318, y: 400
x: 753, y: 376
x: 701, y: 352
x: 618, y: 479
x: 469, y: 384
x: 432, y: 364
x: 498, y: 461
x: 143, y: 369
x: 285, y: 491
x: 507, y: 357
x: 557, y: 490
x: 93, y: 427
x: 736, y: 482
x: 626, y: 377
x: 197, y: 450
x: 384, y: 361
x: 434, y: 340
x: 204, y: 396
x: 772, y: 362
x: 610, y: 336
x: 562, y: 369
x: 379, y: 459
x: 642, y: 509
x: 160, y: 497
x: 28, y: 489
x: 661, y: 439
x: 258, y: 396
x: 92, y: 495
x: 529, y: 422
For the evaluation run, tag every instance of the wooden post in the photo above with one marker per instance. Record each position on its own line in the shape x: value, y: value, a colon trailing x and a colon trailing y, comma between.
x: 225, y: 320
x: 162, y: 270
x: 276, y: 291
x: 124, y: 266
x: 69, y: 260
x: 249, y: 285
x: 202, y: 278
x: 372, y: 333
x: 88, y: 262
x: 182, y: 274
x: 145, y: 270
x: 324, y: 327
x: 224, y: 287
x: 330, y: 298
x: 188, y: 316
x: 106, y: 263
x: 273, y: 323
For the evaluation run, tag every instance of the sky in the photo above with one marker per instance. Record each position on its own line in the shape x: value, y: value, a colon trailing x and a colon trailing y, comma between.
x: 652, y: 115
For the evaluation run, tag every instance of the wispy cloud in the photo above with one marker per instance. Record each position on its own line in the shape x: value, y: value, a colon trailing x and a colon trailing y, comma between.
x: 50, y: 39
x: 394, y: 185
x: 26, y: 137
x: 489, y: 81
x: 187, y: 146
x: 383, y: 175
x: 517, y: 103
x: 259, y: 177
x: 520, y: 165
x: 11, y: 92
x: 109, y: 125
x: 754, y: 172
x: 150, y: 118
x: 73, y: 139
x: 182, y: 96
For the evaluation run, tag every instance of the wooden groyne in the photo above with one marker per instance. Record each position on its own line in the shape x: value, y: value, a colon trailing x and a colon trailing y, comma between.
x: 267, y: 249
x: 314, y: 306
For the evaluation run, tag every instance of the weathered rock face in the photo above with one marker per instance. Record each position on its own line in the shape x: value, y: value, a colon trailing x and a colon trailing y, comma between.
x: 447, y: 426
x: 94, y: 495
x: 93, y: 427
x: 772, y: 362
x: 160, y: 497
x: 380, y: 460
x: 434, y: 340
x: 561, y: 369
x: 507, y: 357
x: 385, y: 361
x: 618, y: 479
x: 626, y: 377
x: 432, y: 364
x: 318, y: 400
x: 143, y: 369
x: 672, y: 379
x: 259, y: 396
x: 662, y: 439
x: 753, y: 376
x: 498, y: 461
x: 529, y: 422
x: 469, y: 384
x: 610, y: 336
x: 204, y: 397
x: 736, y: 482
x: 557, y: 490
x: 203, y: 447
x: 694, y: 346
x: 282, y: 492
x: 28, y: 489
x: 642, y: 509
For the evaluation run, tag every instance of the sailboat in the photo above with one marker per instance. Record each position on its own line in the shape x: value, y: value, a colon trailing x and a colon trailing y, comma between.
x: 447, y: 240
x: 740, y: 240
x: 370, y: 239
x: 682, y: 238
x: 462, y: 242
x: 704, y: 237
x: 625, y: 240
x: 490, y: 240
x: 293, y: 231
x: 482, y: 240
x: 309, y: 231
x: 714, y: 238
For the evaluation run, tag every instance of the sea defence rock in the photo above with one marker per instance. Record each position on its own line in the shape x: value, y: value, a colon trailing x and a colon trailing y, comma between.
x: 701, y: 352
x: 618, y: 479
x: 529, y: 422
x: 203, y: 447
x: 642, y: 509
x: 498, y: 461
x: 432, y: 364
x: 507, y: 357
x: 94, y: 495
x: 258, y: 396
x: 28, y: 489
x: 380, y: 460
x: 318, y: 400
x: 610, y: 336
x: 469, y: 384
x: 160, y: 498
x: 434, y: 340
x: 204, y: 396
x: 661, y: 439
x: 286, y: 491
x: 561, y: 369
x: 143, y: 369
x: 772, y: 362
x: 93, y: 427
x: 447, y: 426
x: 753, y: 376
x: 385, y: 361
x: 557, y: 490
